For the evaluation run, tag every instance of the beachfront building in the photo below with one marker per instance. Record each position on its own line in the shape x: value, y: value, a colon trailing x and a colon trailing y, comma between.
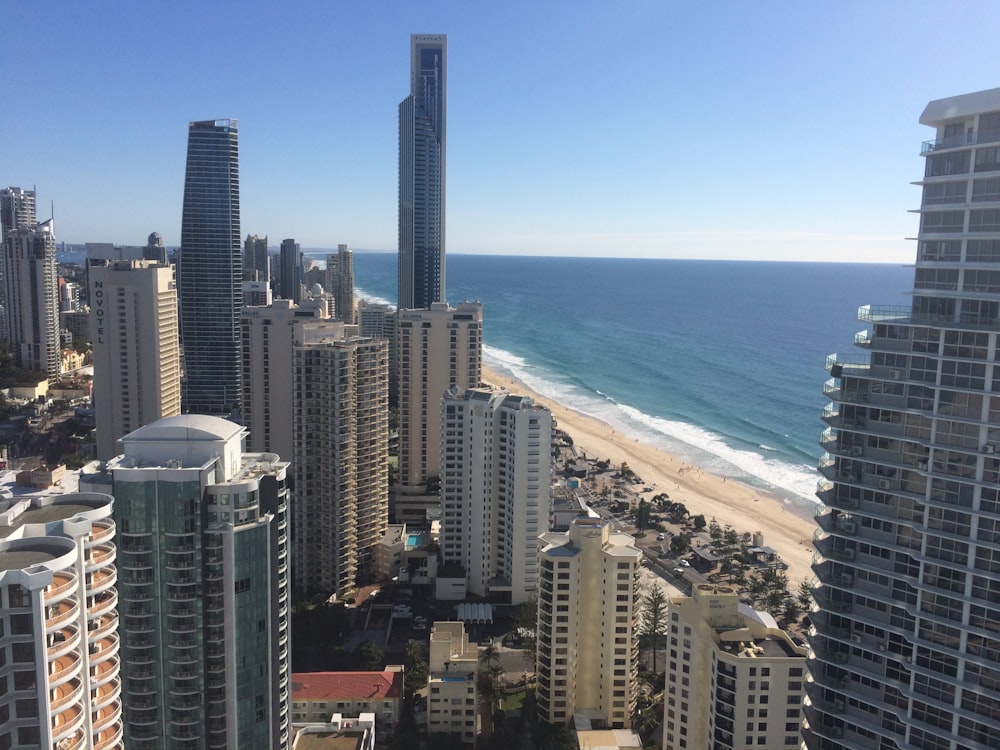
x: 58, y: 622
x: 340, y: 283
x: 340, y: 436
x: 588, y: 614
x: 136, y: 347
x: 496, y: 469
x: 437, y: 349
x: 203, y: 587
x: 734, y: 679
x: 422, y: 149
x: 906, y: 636
x: 452, y: 696
x: 269, y: 334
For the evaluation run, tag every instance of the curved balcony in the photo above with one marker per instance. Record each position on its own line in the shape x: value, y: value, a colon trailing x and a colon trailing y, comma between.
x: 58, y: 615
x: 105, y: 670
x: 102, y: 531
x: 101, y: 555
x: 65, y: 640
x: 103, y: 604
x: 110, y: 738
x: 65, y: 723
x: 64, y: 668
x: 68, y: 692
x: 136, y: 561
x: 103, y: 579
x: 63, y: 584
x: 104, y: 694
x: 104, y: 648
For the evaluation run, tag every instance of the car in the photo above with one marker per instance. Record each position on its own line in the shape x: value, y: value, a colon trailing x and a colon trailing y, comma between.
x: 679, y: 571
x: 685, y: 563
x: 660, y: 537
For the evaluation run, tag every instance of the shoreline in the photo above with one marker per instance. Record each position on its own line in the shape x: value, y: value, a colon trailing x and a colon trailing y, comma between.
x: 729, y: 501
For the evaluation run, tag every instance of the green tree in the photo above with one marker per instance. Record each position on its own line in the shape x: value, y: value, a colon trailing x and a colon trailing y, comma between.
x: 680, y: 544
x: 804, y: 595
x: 415, y: 676
x: 653, y: 625
x: 698, y: 522
x: 370, y: 656
x: 642, y: 516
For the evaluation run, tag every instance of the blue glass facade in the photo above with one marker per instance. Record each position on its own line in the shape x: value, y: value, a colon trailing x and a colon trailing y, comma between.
x: 422, y: 138
x: 210, y: 269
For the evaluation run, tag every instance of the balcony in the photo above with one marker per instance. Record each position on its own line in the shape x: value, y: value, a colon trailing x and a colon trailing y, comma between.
x: 63, y: 583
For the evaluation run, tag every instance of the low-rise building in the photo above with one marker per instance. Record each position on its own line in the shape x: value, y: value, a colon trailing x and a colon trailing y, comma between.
x: 452, y: 700
x: 318, y: 696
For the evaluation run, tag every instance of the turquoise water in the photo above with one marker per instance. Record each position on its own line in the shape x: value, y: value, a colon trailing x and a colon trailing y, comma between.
x: 413, y: 540
x: 719, y: 362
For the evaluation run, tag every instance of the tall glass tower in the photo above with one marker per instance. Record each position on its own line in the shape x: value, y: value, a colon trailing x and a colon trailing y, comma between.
x: 905, y: 645
x: 210, y: 269
x: 422, y: 137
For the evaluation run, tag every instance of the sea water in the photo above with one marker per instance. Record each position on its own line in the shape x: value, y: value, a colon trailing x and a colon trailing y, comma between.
x: 717, y: 362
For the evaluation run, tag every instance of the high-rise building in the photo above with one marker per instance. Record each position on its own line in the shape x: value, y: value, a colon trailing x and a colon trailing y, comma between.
x: 340, y: 282
x: 422, y: 139
x: 378, y: 321
x: 290, y: 278
x: 31, y: 296
x: 210, y: 269
x: 17, y: 208
x: 437, y: 349
x: 452, y: 699
x: 905, y: 646
x: 59, y: 621
x: 588, y: 611
x: 256, y: 264
x: 495, y: 476
x: 203, y: 587
x: 341, y: 439
x: 134, y: 337
x: 734, y: 679
x: 269, y: 337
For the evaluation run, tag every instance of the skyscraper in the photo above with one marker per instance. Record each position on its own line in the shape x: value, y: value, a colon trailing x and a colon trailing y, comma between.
x: 256, y: 263
x: 906, y: 646
x: 59, y: 620
x: 210, y: 269
x: 495, y: 476
x: 290, y: 279
x: 341, y: 439
x: 137, y: 367
x: 588, y: 654
x: 203, y: 587
x: 422, y: 140
x: 438, y: 348
x: 31, y: 284
x: 340, y: 282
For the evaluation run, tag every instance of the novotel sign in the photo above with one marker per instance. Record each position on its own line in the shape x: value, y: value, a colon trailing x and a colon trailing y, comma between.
x: 97, y: 299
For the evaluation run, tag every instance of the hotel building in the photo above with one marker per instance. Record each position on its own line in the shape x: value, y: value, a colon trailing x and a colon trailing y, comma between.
x: 588, y: 614
x: 134, y: 336
x: 210, y: 269
x: 734, y: 679
x: 495, y: 475
x: 422, y: 148
x: 437, y: 349
x: 59, y: 678
x: 452, y: 695
x: 341, y: 442
x: 203, y: 587
x: 904, y: 651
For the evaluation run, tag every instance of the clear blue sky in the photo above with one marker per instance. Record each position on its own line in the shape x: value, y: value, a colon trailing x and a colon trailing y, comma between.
x: 749, y: 130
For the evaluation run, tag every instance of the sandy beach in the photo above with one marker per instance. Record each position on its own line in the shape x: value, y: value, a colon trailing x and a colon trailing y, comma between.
x: 728, y: 501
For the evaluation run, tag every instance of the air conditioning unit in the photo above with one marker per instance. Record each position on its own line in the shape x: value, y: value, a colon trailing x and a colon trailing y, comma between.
x: 881, y: 647
x: 838, y: 704
x: 884, y: 484
x: 855, y: 638
x: 895, y: 374
x: 846, y: 579
x: 857, y: 450
x: 989, y: 448
x: 922, y: 465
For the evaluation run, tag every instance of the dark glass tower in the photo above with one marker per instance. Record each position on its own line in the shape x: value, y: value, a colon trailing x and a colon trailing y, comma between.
x: 422, y: 131
x: 210, y: 269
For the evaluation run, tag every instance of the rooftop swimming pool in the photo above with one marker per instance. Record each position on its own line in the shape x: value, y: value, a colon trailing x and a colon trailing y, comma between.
x: 413, y: 540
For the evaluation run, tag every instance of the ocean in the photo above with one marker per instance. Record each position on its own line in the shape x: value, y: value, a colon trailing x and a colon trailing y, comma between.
x: 717, y: 362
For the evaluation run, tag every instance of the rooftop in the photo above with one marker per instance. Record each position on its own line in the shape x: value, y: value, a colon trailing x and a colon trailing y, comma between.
x: 186, y: 428
x: 329, y: 741
x: 327, y: 686
x: 963, y: 105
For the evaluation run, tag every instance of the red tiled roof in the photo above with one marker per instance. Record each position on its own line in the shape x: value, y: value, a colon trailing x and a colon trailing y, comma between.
x: 325, y: 686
